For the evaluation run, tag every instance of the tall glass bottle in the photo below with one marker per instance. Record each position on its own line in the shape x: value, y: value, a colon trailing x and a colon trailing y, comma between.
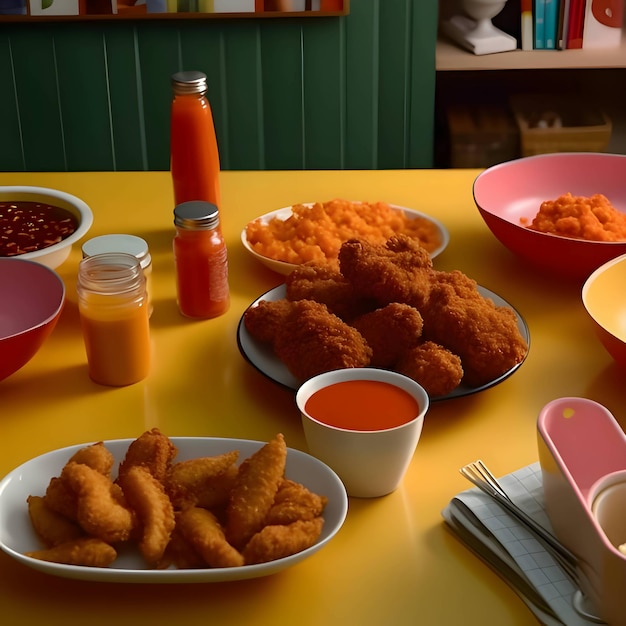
x: 195, y: 161
x: 201, y: 261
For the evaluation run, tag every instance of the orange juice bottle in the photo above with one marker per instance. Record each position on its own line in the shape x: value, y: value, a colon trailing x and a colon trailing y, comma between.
x: 194, y: 155
x: 113, y: 307
x: 201, y: 261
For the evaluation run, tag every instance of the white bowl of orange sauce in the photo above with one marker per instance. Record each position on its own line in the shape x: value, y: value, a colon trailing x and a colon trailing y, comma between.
x: 41, y: 224
x: 364, y: 423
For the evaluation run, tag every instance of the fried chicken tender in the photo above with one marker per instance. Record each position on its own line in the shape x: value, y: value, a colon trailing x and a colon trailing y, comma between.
x: 276, y: 542
x: 254, y: 491
x: 205, y: 482
x: 328, y: 286
x: 264, y: 320
x: 101, y: 506
x: 486, y: 337
x: 203, y: 531
x: 88, y: 551
x: 294, y: 502
x: 146, y: 496
x: 96, y: 456
x: 51, y: 527
x: 390, y: 331
x: 180, y: 553
x: 434, y: 367
x: 397, y: 271
x: 153, y: 450
x: 313, y: 340
x: 61, y: 499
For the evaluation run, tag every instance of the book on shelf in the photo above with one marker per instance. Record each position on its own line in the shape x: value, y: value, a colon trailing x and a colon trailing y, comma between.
x: 561, y: 36
x: 527, y: 38
x: 550, y: 23
x: 575, y: 24
x: 514, y: 552
x: 539, y: 13
x: 603, y: 24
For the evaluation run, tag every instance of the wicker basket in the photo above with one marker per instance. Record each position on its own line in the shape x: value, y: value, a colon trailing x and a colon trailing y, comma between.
x: 559, y: 124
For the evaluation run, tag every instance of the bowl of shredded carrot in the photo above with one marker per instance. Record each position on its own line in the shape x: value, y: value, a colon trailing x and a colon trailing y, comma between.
x: 563, y: 213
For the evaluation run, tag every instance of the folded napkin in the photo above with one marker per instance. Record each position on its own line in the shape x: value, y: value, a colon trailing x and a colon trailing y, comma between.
x: 513, y: 551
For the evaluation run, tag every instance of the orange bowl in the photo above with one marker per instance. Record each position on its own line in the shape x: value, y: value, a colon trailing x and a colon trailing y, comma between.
x: 509, y: 192
x: 605, y: 301
x: 31, y: 300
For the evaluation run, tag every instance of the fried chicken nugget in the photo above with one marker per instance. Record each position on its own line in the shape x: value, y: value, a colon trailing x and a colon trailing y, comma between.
x: 254, y: 491
x: 61, y: 499
x: 263, y: 320
x: 434, y: 367
x: 390, y: 331
x: 313, y: 340
x: 101, y: 506
x: 204, y: 481
x: 51, y: 527
x: 203, y: 531
x: 154, y: 510
x: 277, y: 542
x: 294, y: 502
x: 87, y: 551
x: 96, y: 456
x: 153, y: 450
x: 328, y: 286
x: 486, y: 337
x: 397, y: 271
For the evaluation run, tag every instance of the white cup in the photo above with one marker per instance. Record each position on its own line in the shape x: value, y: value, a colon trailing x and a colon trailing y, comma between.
x: 371, y: 463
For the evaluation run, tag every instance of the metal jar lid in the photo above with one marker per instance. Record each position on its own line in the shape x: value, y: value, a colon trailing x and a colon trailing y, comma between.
x: 129, y: 244
x: 189, y: 82
x: 196, y: 215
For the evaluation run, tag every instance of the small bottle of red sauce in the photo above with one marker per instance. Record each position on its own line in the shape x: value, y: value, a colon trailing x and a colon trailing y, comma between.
x: 195, y: 161
x: 201, y: 261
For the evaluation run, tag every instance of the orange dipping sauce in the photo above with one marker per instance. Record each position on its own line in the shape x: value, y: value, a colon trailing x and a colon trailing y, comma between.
x: 362, y: 405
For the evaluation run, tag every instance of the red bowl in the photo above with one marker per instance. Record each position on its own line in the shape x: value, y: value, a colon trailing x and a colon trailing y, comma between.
x: 510, y: 191
x: 31, y: 300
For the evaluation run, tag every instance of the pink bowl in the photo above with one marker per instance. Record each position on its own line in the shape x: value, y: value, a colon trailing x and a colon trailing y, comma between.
x: 510, y: 191
x: 31, y: 300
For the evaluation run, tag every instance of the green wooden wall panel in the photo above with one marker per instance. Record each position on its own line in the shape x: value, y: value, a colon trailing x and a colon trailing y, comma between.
x: 324, y: 94
x: 11, y: 152
x: 362, y: 75
x: 126, y: 98
x: 282, y: 96
x: 349, y: 92
x: 37, y: 95
x: 84, y: 96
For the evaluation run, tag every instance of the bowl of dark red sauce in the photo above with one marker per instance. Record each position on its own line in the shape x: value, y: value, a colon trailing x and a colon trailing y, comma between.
x: 41, y: 224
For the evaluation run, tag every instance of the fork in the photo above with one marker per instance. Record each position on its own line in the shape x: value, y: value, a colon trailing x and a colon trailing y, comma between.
x: 478, y: 474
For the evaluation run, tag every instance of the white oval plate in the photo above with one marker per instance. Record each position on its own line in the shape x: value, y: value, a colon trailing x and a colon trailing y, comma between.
x: 17, y: 535
x: 281, y: 267
x: 262, y: 357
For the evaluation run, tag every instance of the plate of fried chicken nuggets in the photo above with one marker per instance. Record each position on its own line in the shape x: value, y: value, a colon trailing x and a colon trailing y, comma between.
x: 168, y: 510
x: 385, y: 307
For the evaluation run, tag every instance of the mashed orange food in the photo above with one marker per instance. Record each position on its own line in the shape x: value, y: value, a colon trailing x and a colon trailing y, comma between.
x: 315, y: 233
x: 593, y: 218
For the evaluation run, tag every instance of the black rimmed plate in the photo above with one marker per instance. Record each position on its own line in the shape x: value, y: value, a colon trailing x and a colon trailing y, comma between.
x: 262, y: 357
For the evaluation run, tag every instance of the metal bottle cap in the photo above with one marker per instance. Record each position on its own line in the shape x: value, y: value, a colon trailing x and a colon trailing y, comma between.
x: 189, y: 82
x: 196, y: 215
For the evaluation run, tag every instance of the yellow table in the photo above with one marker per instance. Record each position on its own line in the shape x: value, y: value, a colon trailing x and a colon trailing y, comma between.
x: 393, y: 562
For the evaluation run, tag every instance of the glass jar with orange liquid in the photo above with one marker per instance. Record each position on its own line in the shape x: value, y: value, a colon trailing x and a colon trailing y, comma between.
x: 194, y: 155
x: 113, y: 307
x: 201, y: 261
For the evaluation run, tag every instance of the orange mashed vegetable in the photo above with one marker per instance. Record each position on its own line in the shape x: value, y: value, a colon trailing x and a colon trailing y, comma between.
x: 315, y: 233
x: 580, y: 217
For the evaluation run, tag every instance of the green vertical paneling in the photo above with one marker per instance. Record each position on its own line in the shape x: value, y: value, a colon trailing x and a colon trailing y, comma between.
x: 11, y: 152
x: 351, y: 92
x: 362, y: 74
x: 37, y: 96
x: 126, y: 97
x: 282, y: 95
x: 84, y: 96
